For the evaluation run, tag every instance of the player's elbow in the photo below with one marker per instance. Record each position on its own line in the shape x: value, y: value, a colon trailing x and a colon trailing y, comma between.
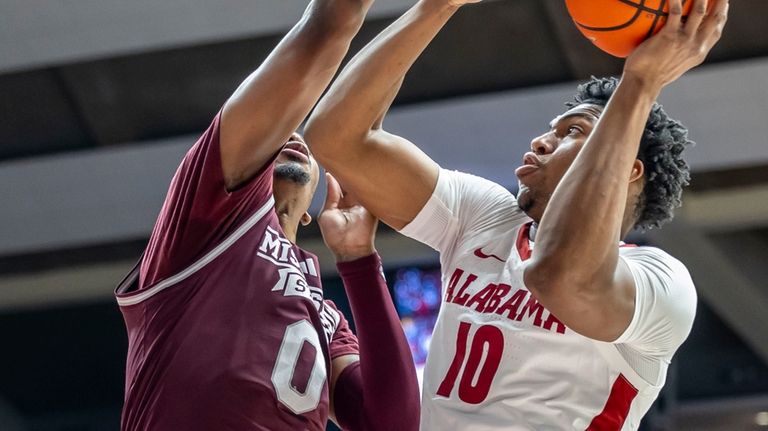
x: 557, y: 277
x: 337, y: 17
x: 545, y: 277
x: 319, y: 136
x: 327, y: 139
x: 536, y: 278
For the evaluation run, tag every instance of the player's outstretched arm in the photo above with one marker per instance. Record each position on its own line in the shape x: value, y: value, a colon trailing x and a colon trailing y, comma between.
x: 392, y: 178
x: 377, y: 390
x: 273, y: 101
x: 575, y: 270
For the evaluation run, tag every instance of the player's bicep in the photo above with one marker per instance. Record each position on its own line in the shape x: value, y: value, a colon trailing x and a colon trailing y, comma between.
x: 390, y: 176
x: 601, y: 312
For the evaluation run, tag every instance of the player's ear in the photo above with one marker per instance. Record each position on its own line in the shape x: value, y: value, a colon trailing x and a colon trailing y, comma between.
x: 306, y: 219
x: 638, y: 169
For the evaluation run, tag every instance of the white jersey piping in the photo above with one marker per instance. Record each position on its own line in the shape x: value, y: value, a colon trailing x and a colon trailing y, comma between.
x: 143, y: 295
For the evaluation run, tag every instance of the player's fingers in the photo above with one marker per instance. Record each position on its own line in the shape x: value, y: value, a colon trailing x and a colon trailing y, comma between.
x: 675, y: 17
x: 695, y: 18
x: 333, y: 192
x: 712, y: 27
x: 348, y: 200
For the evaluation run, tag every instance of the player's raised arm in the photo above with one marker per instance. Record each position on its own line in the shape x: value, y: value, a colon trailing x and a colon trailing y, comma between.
x: 377, y: 390
x: 273, y: 101
x: 575, y: 270
x: 390, y: 176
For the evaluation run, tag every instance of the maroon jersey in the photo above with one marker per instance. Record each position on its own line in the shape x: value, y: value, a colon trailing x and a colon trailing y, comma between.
x: 227, y: 326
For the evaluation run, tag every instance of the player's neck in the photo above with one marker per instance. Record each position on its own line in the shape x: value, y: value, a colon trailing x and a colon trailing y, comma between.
x: 289, y: 223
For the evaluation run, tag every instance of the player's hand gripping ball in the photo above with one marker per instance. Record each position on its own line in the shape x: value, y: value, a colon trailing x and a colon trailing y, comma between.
x: 619, y: 26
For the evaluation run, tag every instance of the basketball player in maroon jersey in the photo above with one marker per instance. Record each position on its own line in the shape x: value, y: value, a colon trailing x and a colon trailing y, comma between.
x: 227, y: 325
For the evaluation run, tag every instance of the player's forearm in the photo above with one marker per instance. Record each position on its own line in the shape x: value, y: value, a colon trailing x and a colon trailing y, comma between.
x: 366, y: 86
x: 576, y: 244
x: 387, y: 376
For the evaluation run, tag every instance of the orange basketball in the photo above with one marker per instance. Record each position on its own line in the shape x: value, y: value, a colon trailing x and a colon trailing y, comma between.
x: 619, y: 26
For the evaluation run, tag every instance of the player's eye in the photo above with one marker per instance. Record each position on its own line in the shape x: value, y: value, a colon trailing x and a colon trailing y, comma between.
x: 575, y: 130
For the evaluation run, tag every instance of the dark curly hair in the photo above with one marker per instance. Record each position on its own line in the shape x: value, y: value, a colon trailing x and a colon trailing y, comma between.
x: 661, y: 148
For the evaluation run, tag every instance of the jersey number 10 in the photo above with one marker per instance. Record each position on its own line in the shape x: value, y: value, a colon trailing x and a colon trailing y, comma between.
x: 474, y: 386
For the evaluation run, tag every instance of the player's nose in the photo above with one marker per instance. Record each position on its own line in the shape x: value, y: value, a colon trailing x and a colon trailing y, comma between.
x: 543, y: 144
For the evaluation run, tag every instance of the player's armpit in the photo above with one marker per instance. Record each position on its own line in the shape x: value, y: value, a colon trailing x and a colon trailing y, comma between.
x: 600, y: 310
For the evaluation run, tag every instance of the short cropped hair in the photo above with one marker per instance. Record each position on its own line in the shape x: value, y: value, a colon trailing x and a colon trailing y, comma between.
x: 661, y: 149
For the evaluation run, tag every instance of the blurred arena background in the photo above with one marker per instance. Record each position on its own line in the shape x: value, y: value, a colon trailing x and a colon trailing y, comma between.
x: 100, y: 99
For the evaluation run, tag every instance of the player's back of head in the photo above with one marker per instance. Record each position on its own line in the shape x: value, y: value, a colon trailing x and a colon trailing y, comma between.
x: 661, y: 147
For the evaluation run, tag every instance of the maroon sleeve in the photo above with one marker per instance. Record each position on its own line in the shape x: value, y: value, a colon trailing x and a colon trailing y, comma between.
x: 344, y: 341
x: 381, y: 391
x: 198, y: 211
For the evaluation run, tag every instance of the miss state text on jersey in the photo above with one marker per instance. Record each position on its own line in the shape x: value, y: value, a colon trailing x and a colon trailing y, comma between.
x: 292, y: 282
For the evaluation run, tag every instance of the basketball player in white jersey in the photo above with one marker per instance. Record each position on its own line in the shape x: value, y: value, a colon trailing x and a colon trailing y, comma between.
x: 548, y: 322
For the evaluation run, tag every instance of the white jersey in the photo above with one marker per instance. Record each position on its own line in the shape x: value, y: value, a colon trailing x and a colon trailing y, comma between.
x: 500, y: 361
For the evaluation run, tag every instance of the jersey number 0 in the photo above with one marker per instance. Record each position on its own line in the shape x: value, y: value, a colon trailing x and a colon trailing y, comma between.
x: 295, y: 336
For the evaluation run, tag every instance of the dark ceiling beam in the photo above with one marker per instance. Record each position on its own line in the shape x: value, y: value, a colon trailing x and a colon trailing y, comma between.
x: 37, y: 116
x: 584, y: 59
x: 731, y: 178
x: 10, y: 418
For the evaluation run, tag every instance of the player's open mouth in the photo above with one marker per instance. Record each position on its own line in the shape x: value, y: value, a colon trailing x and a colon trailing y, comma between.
x: 296, y: 150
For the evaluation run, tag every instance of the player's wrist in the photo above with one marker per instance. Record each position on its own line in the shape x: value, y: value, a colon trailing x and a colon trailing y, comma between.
x: 641, y: 83
x: 353, y: 253
x: 364, y: 266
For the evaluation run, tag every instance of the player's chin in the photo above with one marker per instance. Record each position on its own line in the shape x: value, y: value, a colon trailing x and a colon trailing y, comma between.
x: 293, y: 172
x: 528, y: 181
x: 525, y: 198
x: 522, y: 189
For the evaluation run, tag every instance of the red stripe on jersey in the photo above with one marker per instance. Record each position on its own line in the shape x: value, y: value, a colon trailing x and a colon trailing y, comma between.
x: 523, y: 246
x: 616, y: 408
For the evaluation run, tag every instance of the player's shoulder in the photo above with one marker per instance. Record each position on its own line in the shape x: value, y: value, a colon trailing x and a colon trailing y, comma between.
x: 472, y: 182
x: 651, y: 255
x: 659, y: 264
x: 475, y: 191
x: 330, y: 304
